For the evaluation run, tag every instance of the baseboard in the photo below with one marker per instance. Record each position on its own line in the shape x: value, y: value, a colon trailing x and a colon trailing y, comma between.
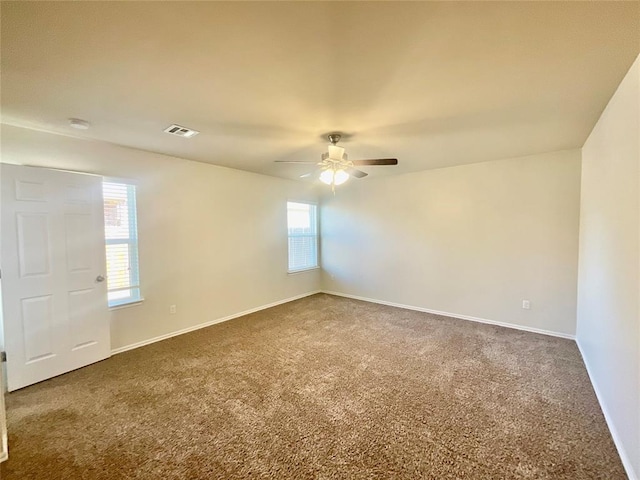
x: 115, y: 351
x: 626, y: 460
x: 455, y: 315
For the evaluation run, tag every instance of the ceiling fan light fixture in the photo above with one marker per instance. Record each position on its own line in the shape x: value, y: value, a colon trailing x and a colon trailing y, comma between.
x: 340, y: 177
x: 336, y: 168
x: 334, y: 177
x: 327, y: 176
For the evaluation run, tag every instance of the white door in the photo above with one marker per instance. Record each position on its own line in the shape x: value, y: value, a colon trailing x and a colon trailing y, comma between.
x: 54, y: 295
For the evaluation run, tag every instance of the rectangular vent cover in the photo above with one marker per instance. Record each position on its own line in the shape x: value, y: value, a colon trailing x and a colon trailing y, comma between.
x: 181, y: 131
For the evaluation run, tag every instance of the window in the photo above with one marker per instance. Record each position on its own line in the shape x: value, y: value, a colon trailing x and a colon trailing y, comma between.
x: 121, y: 234
x: 303, y: 236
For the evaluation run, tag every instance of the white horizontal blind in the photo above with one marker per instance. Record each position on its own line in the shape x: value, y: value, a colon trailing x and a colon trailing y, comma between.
x: 121, y: 234
x: 302, y: 225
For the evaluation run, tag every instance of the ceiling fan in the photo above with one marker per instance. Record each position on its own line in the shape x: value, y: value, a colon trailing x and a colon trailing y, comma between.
x: 335, y: 167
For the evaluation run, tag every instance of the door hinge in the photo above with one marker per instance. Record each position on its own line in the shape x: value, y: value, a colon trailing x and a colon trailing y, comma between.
x: 3, y: 356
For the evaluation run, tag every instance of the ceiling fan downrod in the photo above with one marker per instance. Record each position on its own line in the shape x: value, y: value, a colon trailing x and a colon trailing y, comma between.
x: 334, y: 138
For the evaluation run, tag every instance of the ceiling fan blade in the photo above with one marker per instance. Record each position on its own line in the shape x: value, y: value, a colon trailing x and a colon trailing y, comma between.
x: 377, y: 161
x: 293, y: 161
x: 356, y: 173
x: 313, y: 173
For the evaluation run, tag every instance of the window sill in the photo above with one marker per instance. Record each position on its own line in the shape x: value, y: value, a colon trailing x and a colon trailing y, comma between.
x: 127, y: 305
x: 303, y: 270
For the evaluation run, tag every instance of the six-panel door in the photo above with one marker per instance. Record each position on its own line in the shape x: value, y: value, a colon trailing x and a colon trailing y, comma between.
x: 55, y: 310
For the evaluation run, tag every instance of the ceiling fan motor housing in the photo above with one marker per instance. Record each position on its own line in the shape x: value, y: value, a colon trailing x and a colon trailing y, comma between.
x: 337, y: 153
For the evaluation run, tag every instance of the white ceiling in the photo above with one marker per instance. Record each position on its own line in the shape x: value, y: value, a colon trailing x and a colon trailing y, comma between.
x: 432, y: 83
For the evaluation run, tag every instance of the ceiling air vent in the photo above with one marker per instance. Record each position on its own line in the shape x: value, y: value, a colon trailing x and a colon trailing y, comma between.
x: 181, y: 131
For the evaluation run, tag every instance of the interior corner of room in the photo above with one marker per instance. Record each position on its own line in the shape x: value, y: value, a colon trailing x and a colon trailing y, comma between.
x: 540, y: 241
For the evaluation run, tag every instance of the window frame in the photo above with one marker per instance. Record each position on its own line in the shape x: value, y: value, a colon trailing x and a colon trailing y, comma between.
x: 315, y: 235
x: 133, y: 246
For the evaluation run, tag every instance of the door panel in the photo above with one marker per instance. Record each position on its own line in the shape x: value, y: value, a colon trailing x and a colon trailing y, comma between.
x: 34, y: 243
x: 38, y: 328
x: 55, y: 311
x: 78, y: 194
x: 78, y: 242
x: 33, y: 191
x: 80, y: 320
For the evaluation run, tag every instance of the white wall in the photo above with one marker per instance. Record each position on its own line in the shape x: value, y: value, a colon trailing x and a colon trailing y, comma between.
x: 213, y: 240
x: 609, y: 279
x: 472, y: 240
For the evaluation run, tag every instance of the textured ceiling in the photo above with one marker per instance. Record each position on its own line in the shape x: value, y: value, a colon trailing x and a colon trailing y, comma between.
x: 432, y: 83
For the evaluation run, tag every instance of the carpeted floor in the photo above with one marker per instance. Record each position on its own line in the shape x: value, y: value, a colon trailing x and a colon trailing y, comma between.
x: 324, y: 387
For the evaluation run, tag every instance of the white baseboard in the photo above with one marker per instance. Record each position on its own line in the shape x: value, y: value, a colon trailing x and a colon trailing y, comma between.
x: 115, y: 351
x: 455, y: 315
x: 149, y: 341
x: 624, y: 456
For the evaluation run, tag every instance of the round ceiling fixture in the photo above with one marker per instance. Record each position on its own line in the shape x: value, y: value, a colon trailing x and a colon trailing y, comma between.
x: 79, y: 124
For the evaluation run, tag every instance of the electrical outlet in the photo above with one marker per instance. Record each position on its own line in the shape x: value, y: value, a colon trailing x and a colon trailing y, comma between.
x: 173, y: 309
x: 526, y: 304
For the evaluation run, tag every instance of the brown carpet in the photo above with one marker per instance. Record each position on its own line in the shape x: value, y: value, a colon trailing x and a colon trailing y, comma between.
x: 324, y: 387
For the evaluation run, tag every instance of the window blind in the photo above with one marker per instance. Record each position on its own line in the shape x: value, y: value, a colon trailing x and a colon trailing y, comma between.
x: 121, y: 234
x: 302, y: 226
